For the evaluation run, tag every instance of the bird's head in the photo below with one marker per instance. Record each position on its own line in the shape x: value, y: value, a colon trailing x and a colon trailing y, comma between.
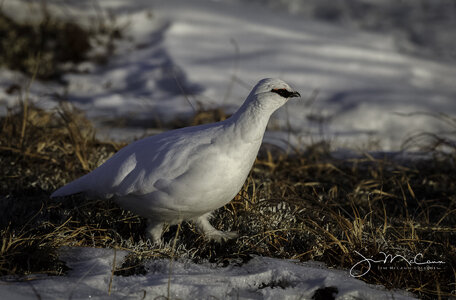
x: 272, y: 93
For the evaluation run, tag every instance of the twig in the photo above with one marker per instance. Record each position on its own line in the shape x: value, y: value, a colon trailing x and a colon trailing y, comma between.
x: 6, y: 148
x: 237, y: 53
x: 80, y: 279
x: 184, y: 93
x: 112, y: 271
x: 171, y: 261
x: 25, y: 104
x: 38, y: 296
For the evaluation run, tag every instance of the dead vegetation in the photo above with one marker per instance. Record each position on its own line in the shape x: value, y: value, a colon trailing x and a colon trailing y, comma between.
x: 307, y: 206
x: 56, y: 45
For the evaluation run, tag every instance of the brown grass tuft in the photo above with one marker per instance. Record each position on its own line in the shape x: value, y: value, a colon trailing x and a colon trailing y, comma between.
x: 54, y: 44
x: 308, y: 206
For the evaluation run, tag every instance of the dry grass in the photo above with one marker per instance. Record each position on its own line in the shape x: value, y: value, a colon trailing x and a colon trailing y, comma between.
x: 55, y: 44
x: 307, y: 206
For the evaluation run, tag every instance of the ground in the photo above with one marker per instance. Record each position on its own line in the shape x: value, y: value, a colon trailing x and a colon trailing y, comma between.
x: 363, y: 164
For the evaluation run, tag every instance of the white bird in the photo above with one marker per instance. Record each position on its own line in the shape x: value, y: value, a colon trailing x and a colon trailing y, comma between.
x: 187, y: 173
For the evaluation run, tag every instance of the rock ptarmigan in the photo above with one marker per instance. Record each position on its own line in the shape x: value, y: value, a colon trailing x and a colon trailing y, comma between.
x: 187, y: 173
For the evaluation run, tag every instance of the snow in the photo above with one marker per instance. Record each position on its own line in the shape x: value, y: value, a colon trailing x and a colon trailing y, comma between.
x: 259, y: 278
x: 361, y: 77
x: 212, y: 52
x: 180, y: 54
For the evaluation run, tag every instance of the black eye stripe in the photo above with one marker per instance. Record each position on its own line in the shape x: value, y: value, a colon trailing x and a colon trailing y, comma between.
x: 282, y: 92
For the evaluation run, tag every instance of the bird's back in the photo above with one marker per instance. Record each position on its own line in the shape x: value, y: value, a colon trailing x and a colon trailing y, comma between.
x: 187, y: 170
x: 138, y: 167
x: 151, y: 155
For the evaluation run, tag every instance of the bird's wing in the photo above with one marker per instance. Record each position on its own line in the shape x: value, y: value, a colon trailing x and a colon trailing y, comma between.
x: 150, y: 164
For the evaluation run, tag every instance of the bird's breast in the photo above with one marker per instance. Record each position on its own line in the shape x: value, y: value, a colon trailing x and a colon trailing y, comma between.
x: 213, y: 179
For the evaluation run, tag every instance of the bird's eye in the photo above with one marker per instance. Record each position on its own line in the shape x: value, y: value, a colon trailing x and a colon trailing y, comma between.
x: 282, y: 92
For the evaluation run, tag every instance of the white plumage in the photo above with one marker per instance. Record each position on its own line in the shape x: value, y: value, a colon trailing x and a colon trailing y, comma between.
x: 187, y: 173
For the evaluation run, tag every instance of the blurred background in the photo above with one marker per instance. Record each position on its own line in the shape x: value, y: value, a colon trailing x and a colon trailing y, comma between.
x: 422, y: 27
x: 362, y: 163
x: 373, y: 74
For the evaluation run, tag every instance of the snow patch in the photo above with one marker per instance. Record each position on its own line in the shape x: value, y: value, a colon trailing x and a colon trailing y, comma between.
x: 259, y: 278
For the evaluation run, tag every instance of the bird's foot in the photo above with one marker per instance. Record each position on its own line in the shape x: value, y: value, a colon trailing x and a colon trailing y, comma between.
x: 220, y: 236
x: 210, y: 232
x: 154, y: 233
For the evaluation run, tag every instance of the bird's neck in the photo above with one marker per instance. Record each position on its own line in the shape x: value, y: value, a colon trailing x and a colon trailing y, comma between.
x: 250, y: 121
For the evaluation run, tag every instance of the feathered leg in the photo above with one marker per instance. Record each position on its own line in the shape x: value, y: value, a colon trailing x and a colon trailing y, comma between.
x: 210, y: 232
x: 154, y: 231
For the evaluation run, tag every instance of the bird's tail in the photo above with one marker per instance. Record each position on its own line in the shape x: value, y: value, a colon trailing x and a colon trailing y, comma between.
x: 77, y: 186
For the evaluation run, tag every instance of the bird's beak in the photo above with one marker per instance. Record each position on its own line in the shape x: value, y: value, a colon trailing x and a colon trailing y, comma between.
x: 294, y: 94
